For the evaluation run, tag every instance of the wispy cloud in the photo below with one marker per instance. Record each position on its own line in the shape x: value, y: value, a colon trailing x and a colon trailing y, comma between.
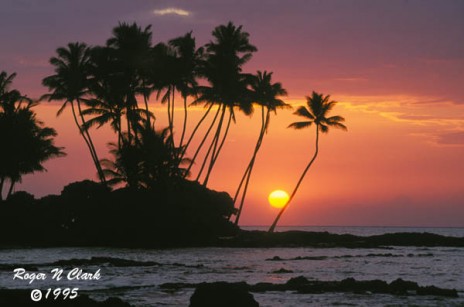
x: 172, y: 11
x: 438, y: 121
x: 352, y: 79
x: 451, y: 138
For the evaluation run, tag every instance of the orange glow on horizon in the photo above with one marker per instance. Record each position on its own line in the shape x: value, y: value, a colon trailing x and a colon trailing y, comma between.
x: 393, y: 159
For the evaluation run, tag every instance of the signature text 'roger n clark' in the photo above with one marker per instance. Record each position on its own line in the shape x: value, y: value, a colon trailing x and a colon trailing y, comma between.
x: 57, y: 274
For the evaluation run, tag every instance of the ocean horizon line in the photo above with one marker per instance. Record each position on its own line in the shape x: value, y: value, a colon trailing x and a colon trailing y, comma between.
x: 353, y: 226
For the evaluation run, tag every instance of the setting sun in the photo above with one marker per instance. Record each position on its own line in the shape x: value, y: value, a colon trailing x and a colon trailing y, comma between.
x: 278, y: 198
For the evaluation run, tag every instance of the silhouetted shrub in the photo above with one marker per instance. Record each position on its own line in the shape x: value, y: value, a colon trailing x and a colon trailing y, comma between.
x: 88, y: 213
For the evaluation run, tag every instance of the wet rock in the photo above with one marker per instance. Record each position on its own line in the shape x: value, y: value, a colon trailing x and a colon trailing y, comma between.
x: 282, y: 271
x: 310, y: 258
x: 402, y: 287
x: 297, y: 281
x: 303, y: 285
x: 275, y: 258
x: 432, y: 290
x: 222, y: 294
x: 355, y: 286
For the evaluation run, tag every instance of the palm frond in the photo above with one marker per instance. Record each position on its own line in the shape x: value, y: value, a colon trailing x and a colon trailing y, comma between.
x: 300, y: 125
x: 303, y: 111
x: 323, y: 128
x: 339, y: 126
x: 62, y: 108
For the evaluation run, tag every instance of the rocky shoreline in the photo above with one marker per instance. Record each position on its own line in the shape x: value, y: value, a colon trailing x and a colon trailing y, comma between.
x: 240, y: 293
x: 259, y: 239
x: 327, y: 240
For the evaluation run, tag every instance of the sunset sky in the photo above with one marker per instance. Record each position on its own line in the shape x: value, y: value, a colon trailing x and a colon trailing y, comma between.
x: 396, y: 67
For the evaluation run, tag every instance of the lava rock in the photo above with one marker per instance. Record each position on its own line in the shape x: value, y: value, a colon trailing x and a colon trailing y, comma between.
x: 222, y: 294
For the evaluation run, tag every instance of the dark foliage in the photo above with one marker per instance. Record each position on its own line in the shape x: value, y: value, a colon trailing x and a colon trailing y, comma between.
x: 87, y: 213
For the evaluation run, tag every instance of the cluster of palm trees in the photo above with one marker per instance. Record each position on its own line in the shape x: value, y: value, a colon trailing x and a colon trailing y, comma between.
x: 113, y: 84
x: 26, y: 142
x: 106, y: 85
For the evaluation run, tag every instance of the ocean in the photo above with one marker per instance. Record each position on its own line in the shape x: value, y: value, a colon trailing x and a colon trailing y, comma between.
x: 137, y: 281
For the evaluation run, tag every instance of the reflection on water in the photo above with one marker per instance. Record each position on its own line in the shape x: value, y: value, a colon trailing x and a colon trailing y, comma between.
x: 137, y: 280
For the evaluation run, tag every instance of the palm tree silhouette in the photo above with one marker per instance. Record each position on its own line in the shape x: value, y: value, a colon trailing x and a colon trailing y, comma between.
x: 5, y: 82
x: 152, y: 162
x: 186, y: 71
x: 29, y: 142
x: 222, y: 67
x: 265, y: 94
x: 130, y: 47
x: 316, y: 113
x: 70, y: 84
x: 163, y: 75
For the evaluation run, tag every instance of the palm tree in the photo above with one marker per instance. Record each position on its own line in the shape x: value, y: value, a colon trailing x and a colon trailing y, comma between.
x: 28, y: 142
x: 316, y: 113
x: 222, y: 68
x: 265, y: 94
x: 162, y: 74
x: 70, y: 84
x: 131, y: 47
x: 186, y: 71
x: 152, y: 162
x: 5, y: 82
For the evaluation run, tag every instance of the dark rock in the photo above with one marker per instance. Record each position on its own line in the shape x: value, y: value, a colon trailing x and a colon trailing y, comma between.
x: 297, y: 281
x: 432, y: 290
x: 402, y: 287
x: 282, y: 271
x: 310, y: 258
x: 222, y: 294
x: 275, y: 258
x: 301, y: 284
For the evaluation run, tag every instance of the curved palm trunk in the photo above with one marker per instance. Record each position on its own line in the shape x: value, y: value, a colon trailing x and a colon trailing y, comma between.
x: 273, y: 226
x: 2, y: 182
x: 249, y: 170
x: 184, y: 127
x: 205, y: 160
x: 129, y: 133
x: 146, y: 109
x: 212, y: 146
x: 204, y: 140
x: 216, y: 154
x: 91, y: 145
x: 134, y: 118
x: 249, y: 164
x: 145, y: 100
x: 241, y: 183
x: 81, y: 131
x: 195, y: 131
x: 172, y: 115
x: 120, y: 138
x: 10, y: 191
